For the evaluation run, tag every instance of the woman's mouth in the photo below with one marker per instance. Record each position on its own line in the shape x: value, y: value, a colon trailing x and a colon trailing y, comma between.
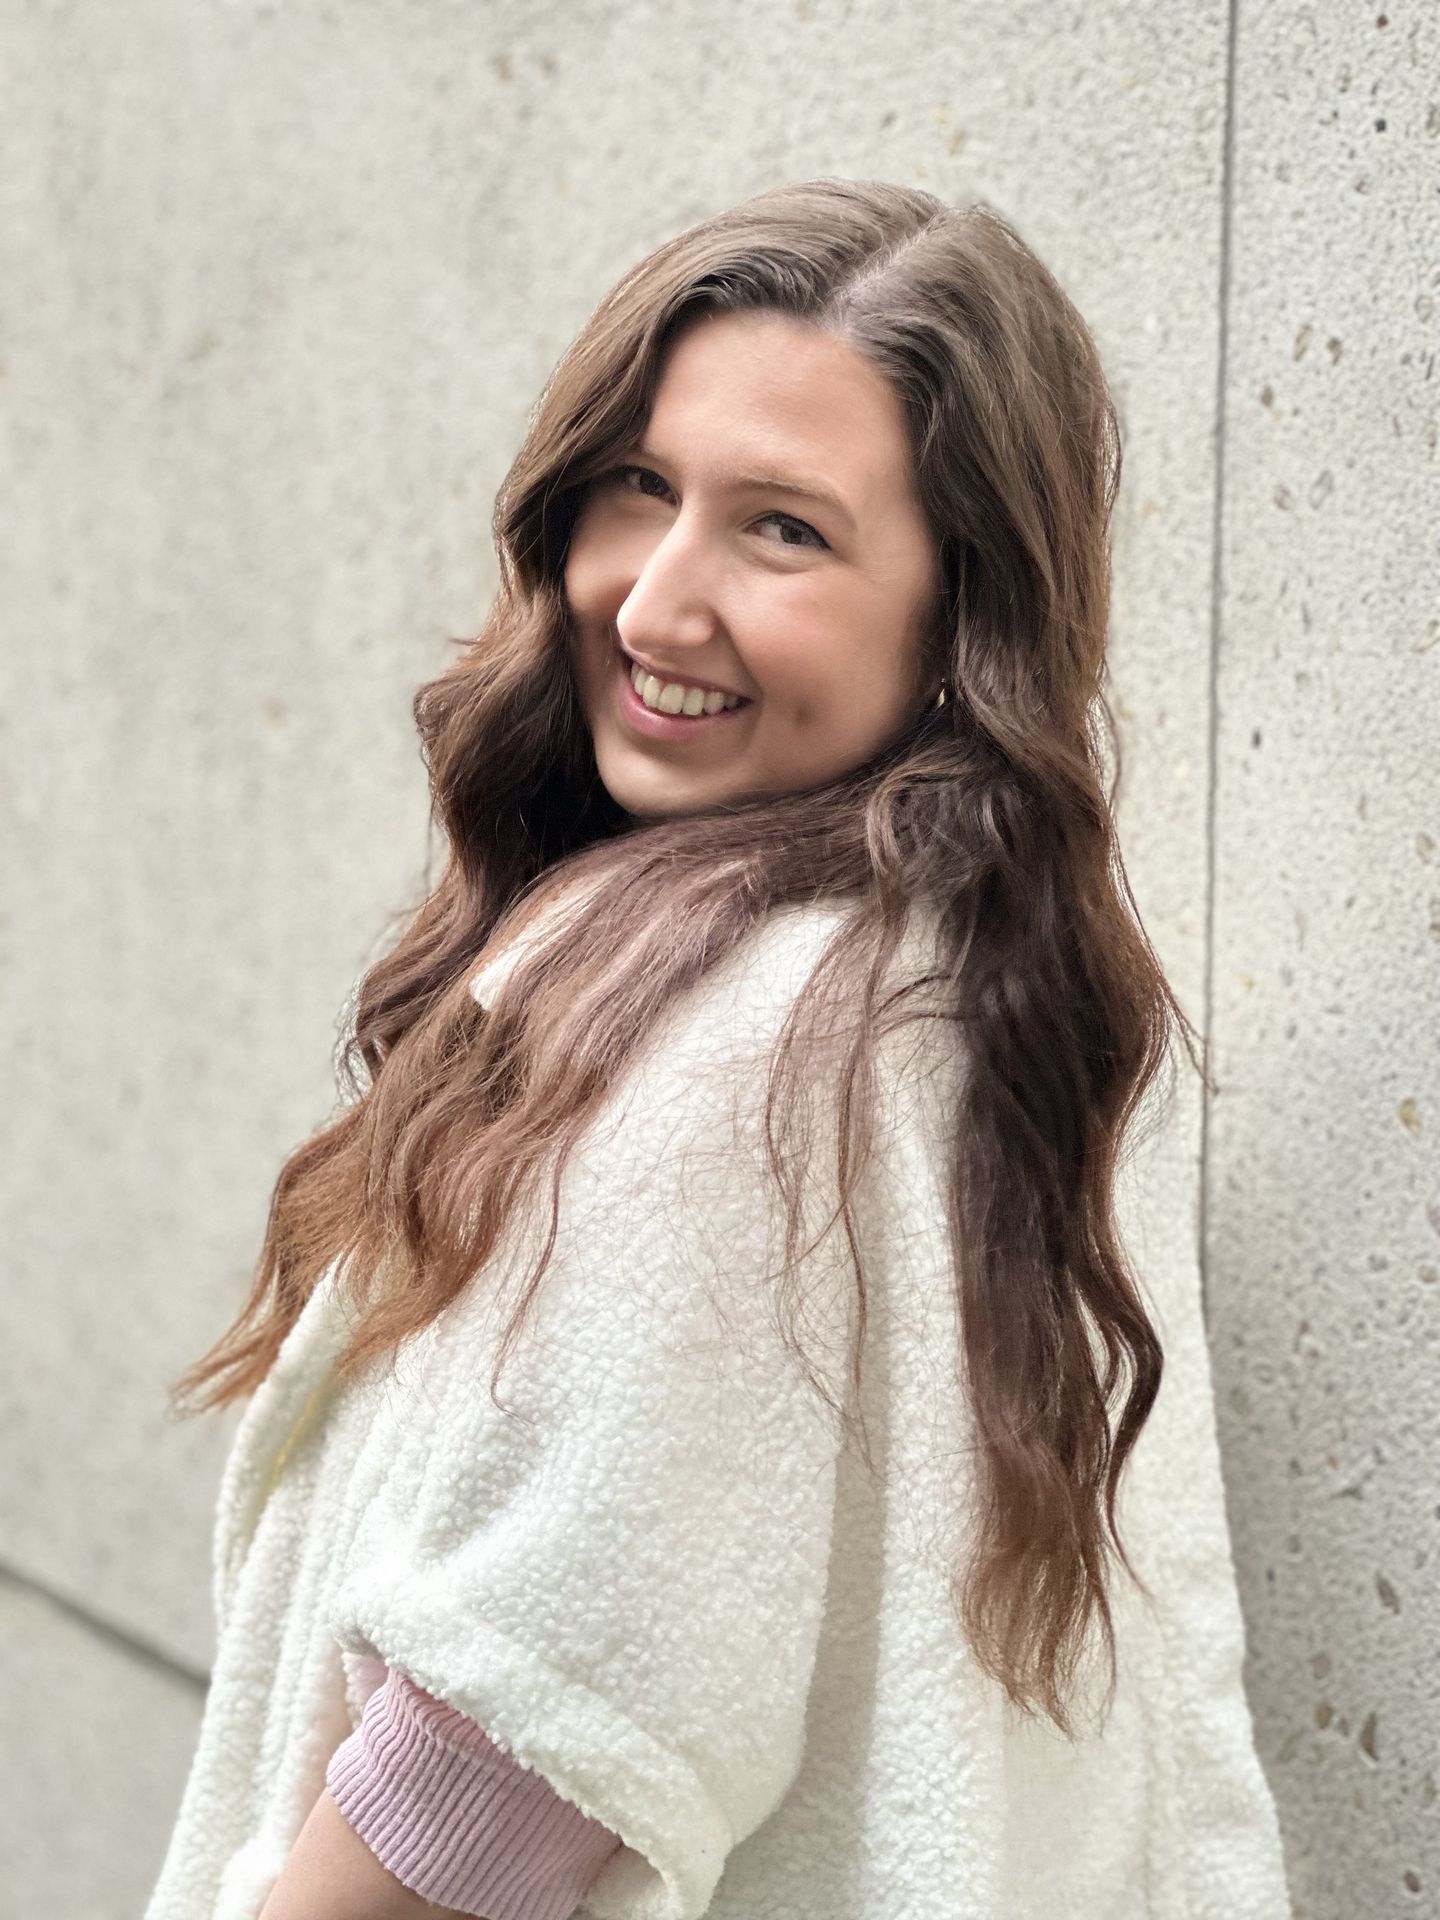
x: 653, y: 723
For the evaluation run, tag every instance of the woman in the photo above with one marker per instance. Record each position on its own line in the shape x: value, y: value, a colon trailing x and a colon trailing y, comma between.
x: 778, y: 1022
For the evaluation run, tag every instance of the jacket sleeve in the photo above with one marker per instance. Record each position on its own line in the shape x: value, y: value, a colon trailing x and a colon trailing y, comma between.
x: 454, y: 1818
x: 624, y: 1585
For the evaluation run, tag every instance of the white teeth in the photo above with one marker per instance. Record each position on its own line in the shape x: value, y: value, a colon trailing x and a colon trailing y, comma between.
x: 671, y: 696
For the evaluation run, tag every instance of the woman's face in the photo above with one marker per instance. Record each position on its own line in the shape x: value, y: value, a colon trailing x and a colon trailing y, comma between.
x: 706, y: 556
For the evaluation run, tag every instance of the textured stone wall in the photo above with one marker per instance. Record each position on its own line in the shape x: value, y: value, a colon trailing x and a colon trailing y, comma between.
x: 1322, y: 1175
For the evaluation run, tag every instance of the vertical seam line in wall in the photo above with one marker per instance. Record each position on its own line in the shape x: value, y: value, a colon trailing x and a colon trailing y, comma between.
x: 1217, y: 586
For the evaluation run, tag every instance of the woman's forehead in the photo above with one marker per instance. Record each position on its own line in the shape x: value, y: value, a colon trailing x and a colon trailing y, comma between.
x: 755, y: 399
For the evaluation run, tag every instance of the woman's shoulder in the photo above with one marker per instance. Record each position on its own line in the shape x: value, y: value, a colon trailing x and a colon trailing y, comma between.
x: 723, y: 1029
x: 769, y: 965
x: 782, y: 951
x: 746, y: 997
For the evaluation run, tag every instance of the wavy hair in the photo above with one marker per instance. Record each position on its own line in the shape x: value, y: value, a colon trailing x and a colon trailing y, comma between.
x: 991, y: 807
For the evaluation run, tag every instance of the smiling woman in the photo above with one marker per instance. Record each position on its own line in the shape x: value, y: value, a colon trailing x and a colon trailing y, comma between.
x: 706, y: 580
x: 770, y: 1066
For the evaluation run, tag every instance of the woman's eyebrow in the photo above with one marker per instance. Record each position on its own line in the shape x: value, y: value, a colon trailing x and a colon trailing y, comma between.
x: 771, y: 483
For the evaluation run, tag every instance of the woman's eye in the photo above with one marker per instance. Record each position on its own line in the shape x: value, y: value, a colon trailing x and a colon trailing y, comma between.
x: 786, y: 521
x: 645, y: 473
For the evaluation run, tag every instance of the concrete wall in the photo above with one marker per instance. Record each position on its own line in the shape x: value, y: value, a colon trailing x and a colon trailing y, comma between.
x: 1322, y: 1176
x: 279, y: 285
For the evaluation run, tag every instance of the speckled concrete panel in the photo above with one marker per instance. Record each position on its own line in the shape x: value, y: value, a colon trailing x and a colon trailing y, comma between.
x: 1324, y: 1162
x: 284, y: 284
x: 97, y: 1740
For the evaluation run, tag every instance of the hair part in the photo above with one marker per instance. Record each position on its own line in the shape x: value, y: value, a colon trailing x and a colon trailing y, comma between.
x: 991, y: 810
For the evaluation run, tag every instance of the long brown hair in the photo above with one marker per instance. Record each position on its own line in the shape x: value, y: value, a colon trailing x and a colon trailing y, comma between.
x: 992, y: 808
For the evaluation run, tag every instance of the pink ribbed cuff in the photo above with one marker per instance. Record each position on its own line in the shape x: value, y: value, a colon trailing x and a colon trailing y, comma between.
x: 457, y: 1819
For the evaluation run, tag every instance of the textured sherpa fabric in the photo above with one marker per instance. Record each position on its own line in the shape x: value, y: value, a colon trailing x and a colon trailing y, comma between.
x: 665, y: 1580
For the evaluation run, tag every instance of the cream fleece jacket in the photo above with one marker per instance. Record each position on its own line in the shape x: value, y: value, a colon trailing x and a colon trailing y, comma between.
x: 673, y: 1591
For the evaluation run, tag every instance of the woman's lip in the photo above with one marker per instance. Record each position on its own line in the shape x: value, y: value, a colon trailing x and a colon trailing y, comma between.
x: 704, y: 685
x: 651, y: 725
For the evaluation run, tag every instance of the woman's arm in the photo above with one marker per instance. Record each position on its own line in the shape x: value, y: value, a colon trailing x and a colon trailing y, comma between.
x: 332, y: 1875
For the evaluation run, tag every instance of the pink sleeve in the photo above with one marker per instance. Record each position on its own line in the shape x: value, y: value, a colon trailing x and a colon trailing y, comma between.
x: 455, y: 1818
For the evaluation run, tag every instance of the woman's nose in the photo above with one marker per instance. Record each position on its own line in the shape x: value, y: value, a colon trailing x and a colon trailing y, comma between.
x: 669, y: 602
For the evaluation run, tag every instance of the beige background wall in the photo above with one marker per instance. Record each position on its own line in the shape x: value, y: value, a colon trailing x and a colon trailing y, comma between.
x: 278, y: 285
